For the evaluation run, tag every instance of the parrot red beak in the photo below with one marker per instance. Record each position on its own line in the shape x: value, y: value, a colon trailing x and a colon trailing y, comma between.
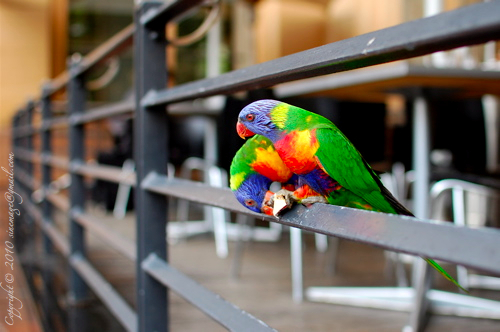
x: 267, y: 210
x: 243, y: 131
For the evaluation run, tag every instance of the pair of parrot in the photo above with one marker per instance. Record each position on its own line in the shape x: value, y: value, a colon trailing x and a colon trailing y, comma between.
x: 311, y: 158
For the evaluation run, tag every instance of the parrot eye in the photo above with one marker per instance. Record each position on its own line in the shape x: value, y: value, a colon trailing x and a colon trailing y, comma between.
x: 250, y: 202
x: 250, y: 117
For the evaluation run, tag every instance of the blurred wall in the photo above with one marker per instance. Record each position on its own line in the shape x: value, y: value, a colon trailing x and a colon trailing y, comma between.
x: 24, y: 52
x: 32, y: 48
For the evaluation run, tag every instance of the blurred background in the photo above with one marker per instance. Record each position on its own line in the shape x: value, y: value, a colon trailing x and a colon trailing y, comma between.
x: 37, y: 37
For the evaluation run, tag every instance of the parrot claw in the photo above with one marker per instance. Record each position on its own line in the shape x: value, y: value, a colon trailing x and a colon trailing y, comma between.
x: 313, y: 199
x: 281, y: 201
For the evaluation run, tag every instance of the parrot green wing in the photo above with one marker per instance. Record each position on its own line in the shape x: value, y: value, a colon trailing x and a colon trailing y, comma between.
x: 343, y: 162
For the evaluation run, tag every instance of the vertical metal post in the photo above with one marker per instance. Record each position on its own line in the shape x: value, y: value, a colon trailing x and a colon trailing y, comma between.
x: 421, y: 165
x: 29, y: 139
x: 28, y: 165
x: 421, y: 151
x: 458, y: 203
x: 15, y: 139
x: 46, y: 209
x: 46, y: 151
x: 150, y: 154
x: 16, y: 142
x: 76, y: 103
x: 296, y: 264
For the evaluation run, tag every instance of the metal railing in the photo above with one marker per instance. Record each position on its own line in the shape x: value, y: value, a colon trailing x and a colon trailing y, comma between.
x: 444, y: 241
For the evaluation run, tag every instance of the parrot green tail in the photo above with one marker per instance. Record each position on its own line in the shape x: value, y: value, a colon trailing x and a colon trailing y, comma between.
x: 444, y: 273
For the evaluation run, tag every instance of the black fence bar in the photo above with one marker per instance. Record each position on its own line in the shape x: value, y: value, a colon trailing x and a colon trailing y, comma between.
x: 156, y: 17
x: 103, y: 289
x: 102, y: 112
x: 53, y: 123
x: 227, y: 314
x: 112, y: 238
x: 57, y: 238
x: 113, y: 46
x: 46, y: 168
x: 47, y: 251
x: 92, y: 114
x: 469, y: 25
x: 78, y: 288
x: 54, y: 161
x: 24, y: 131
x: 30, y: 108
x: 439, y: 240
x: 105, y: 172
x: 59, y: 201
x: 58, y: 83
x: 26, y: 180
x: 26, y: 155
x: 150, y: 134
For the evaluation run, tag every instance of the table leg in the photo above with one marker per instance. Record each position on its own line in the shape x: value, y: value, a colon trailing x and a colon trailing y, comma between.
x: 421, y: 165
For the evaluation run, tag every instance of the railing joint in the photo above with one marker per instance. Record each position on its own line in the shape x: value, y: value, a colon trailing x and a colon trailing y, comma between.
x: 75, y: 119
x: 75, y: 165
x: 149, y: 98
x: 76, y: 211
x: 149, y: 14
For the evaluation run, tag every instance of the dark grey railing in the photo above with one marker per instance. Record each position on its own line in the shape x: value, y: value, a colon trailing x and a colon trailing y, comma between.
x: 467, y: 26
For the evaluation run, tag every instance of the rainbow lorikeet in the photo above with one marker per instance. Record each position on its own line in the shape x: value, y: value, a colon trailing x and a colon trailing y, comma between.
x: 314, y: 149
x: 255, y: 167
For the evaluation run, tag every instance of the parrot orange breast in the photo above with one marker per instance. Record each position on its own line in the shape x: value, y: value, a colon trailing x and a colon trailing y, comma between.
x: 269, y: 164
x: 297, y: 150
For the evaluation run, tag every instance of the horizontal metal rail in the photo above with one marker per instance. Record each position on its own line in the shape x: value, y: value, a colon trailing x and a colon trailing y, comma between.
x: 93, y: 114
x: 470, y: 25
x: 227, y: 314
x: 59, y: 201
x: 54, y: 123
x: 110, y: 236
x: 55, y: 161
x: 102, y: 112
x: 113, y: 46
x: 426, y: 238
x: 26, y: 179
x: 56, y: 236
x: 24, y: 131
x: 105, y: 172
x: 27, y: 155
x: 157, y: 17
x: 103, y: 289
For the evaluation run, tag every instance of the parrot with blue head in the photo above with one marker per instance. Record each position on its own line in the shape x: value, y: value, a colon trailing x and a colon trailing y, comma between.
x: 255, y: 166
x: 315, y: 150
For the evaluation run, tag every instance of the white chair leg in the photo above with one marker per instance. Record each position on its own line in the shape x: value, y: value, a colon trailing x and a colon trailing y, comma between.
x: 296, y: 264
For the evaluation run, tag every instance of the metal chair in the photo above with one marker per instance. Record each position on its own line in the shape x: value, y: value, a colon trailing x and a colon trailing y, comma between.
x: 214, y: 219
x: 472, y: 205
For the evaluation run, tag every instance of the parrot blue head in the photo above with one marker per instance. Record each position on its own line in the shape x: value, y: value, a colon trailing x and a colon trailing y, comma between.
x: 256, y: 118
x: 252, y: 192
